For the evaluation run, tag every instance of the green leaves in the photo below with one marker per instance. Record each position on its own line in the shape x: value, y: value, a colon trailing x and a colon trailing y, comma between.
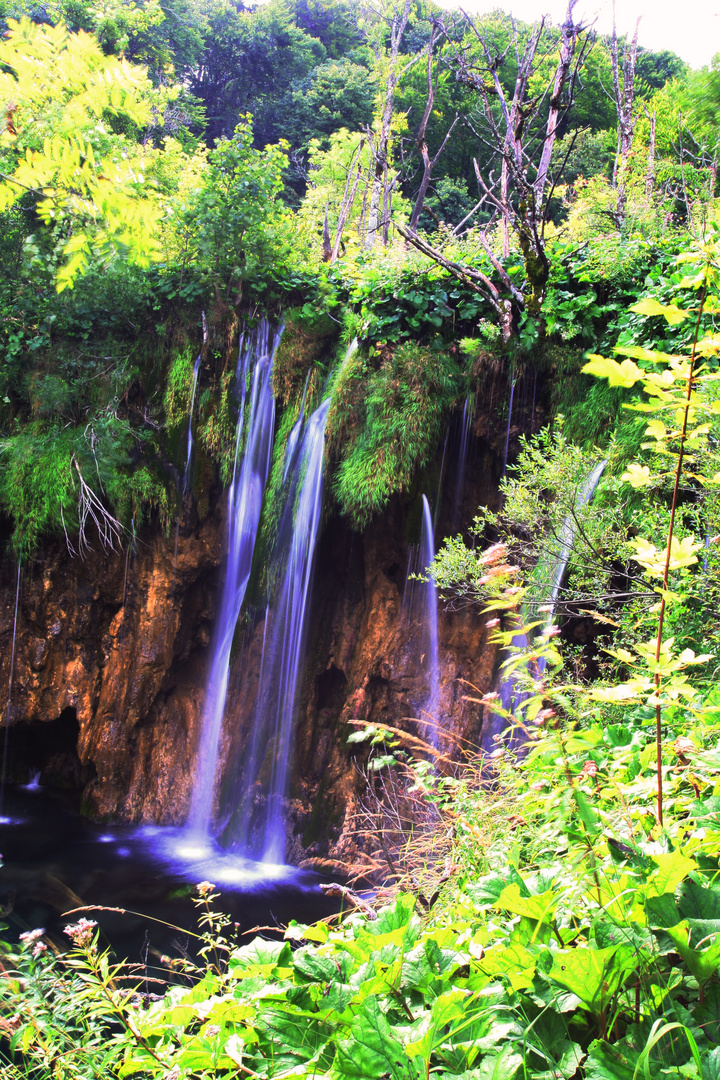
x: 91, y: 185
x: 371, y: 1051
x: 594, y: 975
x: 670, y: 312
x: 625, y: 374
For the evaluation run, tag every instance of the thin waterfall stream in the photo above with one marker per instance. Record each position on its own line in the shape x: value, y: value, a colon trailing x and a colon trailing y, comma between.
x: 244, y: 507
x: 549, y: 578
x: 258, y: 827
x: 3, y: 777
x: 188, y: 459
x: 430, y: 619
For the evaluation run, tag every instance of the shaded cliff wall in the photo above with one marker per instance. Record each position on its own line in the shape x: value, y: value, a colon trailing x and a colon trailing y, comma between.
x: 113, y: 652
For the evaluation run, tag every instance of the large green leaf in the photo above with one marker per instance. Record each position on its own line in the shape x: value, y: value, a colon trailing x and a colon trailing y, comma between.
x: 309, y: 965
x: 502, y: 1066
x: 696, y: 901
x: 711, y: 1065
x: 702, y: 962
x: 259, y: 957
x: 593, y: 974
x: 514, y: 962
x: 372, y: 1051
x: 487, y: 890
x: 610, y: 1062
x: 428, y: 967
x: 538, y: 908
x: 707, y: 1015
x: 672, y: 867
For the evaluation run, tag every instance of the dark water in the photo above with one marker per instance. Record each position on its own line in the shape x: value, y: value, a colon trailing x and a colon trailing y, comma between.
x: 54, y: 861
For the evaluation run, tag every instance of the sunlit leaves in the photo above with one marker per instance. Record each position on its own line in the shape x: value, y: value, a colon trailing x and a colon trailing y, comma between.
x: 59, y: 87
x: 682, y: 553
x: 671, y: 312
x: 625, y: 374
x: 638, y: 476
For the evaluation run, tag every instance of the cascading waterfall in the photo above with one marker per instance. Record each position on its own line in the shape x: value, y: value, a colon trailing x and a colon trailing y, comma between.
x: 5, y: 820
x: 430, y: 606
x: 259, y: 831
x: 188, y: 458
x: 292, y: 609
x: 244, y: 506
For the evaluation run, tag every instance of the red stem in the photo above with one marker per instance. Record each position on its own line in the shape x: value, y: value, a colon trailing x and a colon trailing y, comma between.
x: 661, y: 616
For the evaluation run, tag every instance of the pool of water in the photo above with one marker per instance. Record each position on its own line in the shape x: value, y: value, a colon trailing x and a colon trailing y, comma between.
x: 55, y: 862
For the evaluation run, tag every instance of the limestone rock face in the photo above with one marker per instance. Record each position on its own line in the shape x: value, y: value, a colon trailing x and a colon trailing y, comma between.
x: 113, y: 652
x: 116, y: 642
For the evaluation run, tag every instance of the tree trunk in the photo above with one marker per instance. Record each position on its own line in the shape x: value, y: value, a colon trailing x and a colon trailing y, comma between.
x: 650, y: 174
x: 624, y: 104
x: 351, y: 186
x: 327, y: 246
x: 399, y: 23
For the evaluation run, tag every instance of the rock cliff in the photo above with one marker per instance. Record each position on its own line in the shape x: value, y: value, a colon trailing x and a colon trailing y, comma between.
x: 112, y: 655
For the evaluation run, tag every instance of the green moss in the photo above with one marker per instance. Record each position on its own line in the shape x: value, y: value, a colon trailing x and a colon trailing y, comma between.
x: 141, y: 493
x: 387, y: 416
x: 276, y: 495
x: 307, y: 340
x: 216, y: 430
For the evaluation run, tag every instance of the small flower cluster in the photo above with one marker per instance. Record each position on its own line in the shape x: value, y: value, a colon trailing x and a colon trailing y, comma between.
x: 204, y: 888
x: 32, y: 938
x: 81, y: 932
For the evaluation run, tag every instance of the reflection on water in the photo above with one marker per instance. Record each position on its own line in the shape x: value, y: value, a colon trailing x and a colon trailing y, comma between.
x: 55, y: 861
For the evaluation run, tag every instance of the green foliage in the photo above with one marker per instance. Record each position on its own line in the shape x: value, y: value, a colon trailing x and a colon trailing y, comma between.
x: 59, y: 88
x: 232, y: 223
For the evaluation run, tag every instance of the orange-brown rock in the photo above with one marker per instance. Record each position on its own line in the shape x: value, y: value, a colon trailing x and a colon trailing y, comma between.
x: 120, y: 643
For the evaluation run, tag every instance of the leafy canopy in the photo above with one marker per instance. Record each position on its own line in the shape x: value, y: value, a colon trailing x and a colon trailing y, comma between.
x: 60, y: 95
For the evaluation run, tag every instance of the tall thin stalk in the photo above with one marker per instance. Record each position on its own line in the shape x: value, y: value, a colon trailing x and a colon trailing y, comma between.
x: 661, y: 615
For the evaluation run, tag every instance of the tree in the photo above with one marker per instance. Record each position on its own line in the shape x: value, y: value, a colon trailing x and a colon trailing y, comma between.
x: 429, y: 163
x: 251, y: 59
x: 229, y: 223
x: 337, y: 94
x: 60, y: 95
x: 521, y: 130
x: 624, y: 97
x: 380, y: 190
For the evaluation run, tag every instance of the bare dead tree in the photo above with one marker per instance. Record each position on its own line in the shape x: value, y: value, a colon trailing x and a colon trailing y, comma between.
x: 381, y: 146
x: 520, y: 130
x: 428, y: 162
x: 650, y: 172
x: 625, y: 106
x: 351, y: 186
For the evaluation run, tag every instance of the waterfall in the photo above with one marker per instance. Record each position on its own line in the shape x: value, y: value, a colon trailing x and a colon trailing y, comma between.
x: 427, y: 550
x: 465, y: 429
x: 186, y: 475
x: 258, y: 827
x: 244, y: 506
x: 5, y: 820
x: 549, y: 577
x: 292, y: 610
x: 507, y: 434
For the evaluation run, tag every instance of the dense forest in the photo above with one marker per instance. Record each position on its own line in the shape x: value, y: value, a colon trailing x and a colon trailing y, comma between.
x: 482, y: 203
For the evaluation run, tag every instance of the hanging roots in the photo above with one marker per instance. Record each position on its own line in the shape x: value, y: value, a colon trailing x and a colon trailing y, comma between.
x: 91, y: 509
